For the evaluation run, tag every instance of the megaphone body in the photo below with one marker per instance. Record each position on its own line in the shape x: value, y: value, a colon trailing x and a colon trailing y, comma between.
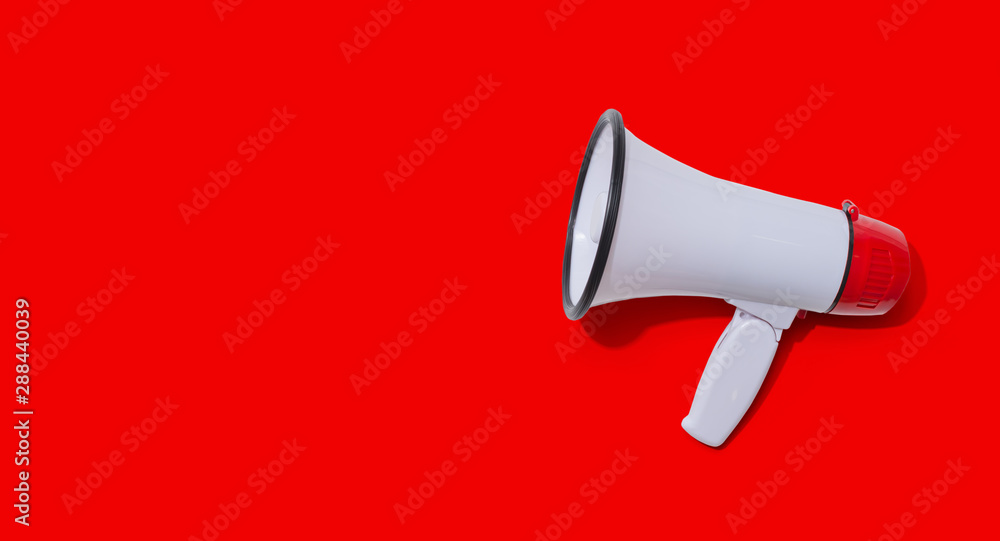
x: 644, y: 225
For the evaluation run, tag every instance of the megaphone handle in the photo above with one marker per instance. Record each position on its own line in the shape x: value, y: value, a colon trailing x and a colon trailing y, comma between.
x: 732, y: 377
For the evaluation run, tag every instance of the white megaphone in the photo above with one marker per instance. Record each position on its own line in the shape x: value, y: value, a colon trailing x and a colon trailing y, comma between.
x: 644, y: 225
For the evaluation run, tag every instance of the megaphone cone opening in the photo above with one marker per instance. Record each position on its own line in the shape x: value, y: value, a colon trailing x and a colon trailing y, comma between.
x: 582, y: 275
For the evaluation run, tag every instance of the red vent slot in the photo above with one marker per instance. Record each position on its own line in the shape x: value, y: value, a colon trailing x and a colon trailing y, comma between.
x: 879, y: 279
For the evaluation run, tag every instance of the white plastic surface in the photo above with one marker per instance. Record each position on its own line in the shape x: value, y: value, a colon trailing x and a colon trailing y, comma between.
x: 683, y: 232
x: 735, y: 371
x: 590, y: 213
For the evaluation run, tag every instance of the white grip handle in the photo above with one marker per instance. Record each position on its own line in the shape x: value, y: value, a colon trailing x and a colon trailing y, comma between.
x: 732, y: 377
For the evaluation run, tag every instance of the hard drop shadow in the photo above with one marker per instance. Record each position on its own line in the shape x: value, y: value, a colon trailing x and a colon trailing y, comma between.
x: 634, y: 317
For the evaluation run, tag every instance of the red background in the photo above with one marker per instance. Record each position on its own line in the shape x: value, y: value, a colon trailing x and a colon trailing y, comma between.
x: 494, y: 346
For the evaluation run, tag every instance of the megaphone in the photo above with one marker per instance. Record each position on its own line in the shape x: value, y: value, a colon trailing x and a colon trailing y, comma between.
x: 645, y: 225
